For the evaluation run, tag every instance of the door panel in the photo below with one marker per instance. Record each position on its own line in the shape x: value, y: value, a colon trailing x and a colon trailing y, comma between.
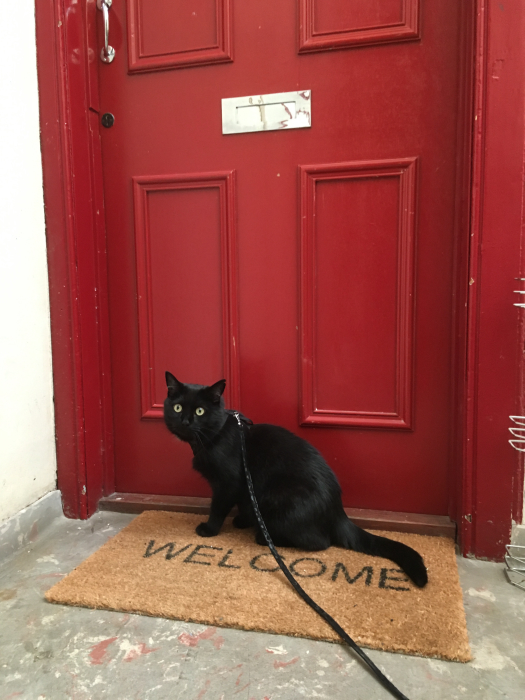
x: 169, y: 34
x: 321, y: 284
x: 357, y: 272
x: 184, y: 278
x: 329, y: 24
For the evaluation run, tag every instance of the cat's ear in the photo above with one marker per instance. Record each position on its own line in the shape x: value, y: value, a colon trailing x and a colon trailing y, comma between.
x: 216, y: 390
x: 174, y: 386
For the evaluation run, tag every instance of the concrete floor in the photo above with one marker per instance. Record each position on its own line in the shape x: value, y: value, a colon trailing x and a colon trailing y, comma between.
x: 56, y: 652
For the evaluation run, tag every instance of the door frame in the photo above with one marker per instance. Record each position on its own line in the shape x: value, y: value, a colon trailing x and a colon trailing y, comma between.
x: 487, y: 485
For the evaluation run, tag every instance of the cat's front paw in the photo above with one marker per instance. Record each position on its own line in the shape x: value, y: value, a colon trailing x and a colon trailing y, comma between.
x: 204, y: 530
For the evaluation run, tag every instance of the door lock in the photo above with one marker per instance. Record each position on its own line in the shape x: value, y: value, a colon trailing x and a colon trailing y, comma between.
x: 107, y: 120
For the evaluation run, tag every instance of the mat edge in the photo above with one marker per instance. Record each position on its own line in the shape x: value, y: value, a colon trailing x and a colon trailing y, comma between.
x: 195, y: 621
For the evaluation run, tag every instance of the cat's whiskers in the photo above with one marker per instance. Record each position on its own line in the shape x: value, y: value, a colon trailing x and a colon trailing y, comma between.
x: 202, y: 431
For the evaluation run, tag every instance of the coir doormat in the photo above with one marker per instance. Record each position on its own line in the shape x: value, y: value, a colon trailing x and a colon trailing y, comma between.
x: 159, y: 566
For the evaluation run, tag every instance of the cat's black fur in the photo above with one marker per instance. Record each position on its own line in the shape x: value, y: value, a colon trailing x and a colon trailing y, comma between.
x: 298, y: 494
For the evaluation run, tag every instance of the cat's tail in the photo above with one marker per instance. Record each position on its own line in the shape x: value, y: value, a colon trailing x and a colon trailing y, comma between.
x: 350, y: 536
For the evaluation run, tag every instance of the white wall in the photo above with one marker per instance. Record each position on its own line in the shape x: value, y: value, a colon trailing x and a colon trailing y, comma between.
x: 27, y: 448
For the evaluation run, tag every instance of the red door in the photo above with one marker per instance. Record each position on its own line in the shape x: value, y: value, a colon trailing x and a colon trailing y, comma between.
x: 311, y: 267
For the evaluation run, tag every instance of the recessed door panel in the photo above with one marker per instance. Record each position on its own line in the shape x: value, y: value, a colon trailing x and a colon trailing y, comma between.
x: 358, y: 293
x: 169, y: 34
x: 185, y: 267
x: 330, y: 24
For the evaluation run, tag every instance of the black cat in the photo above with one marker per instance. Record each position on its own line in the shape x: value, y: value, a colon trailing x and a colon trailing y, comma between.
x: 298, y: 494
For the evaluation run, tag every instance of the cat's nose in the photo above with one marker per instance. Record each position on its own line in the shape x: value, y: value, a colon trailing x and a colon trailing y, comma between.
x: 185, y: 421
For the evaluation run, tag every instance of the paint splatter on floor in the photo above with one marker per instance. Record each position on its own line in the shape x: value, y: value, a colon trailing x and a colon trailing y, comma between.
x: 284, y: 664
x: 192, y: 640
x: 99, y: 651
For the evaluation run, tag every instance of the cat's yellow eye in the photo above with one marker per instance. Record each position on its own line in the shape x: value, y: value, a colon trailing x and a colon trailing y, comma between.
x: 199, y: 411
x: 177, y: 408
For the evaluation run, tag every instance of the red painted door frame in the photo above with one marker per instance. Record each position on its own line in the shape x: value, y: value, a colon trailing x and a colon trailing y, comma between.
x: 489, y: 482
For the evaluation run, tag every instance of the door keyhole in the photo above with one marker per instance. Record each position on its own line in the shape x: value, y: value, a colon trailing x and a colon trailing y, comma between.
x: 107, y: 120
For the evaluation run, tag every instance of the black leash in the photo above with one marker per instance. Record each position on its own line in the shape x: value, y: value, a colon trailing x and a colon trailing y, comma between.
x: 304, y: 595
